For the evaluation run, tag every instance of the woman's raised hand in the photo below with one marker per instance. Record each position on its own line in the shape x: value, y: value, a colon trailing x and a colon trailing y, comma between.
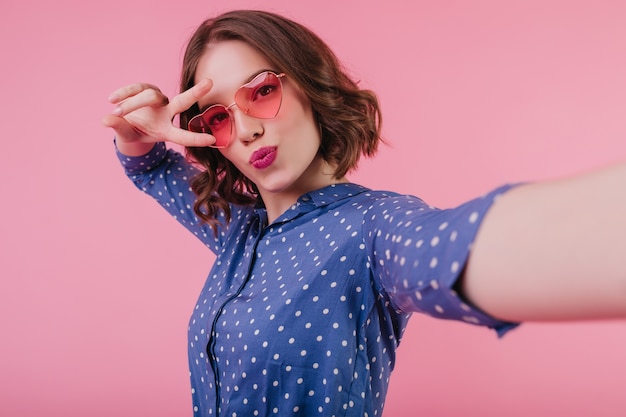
x: 143, y: 116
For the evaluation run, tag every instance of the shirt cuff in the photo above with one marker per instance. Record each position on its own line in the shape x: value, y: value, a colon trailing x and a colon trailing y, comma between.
x: 142, y: 163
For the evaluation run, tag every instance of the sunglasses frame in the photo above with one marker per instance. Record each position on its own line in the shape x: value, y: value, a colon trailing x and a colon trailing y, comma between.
x: 245, y: 111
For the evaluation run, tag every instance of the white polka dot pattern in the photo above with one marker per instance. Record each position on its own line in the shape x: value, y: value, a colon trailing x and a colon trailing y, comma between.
x: 303, y: 317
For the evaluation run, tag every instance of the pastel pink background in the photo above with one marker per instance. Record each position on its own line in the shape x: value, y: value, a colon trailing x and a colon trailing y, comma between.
x: 97, y: 281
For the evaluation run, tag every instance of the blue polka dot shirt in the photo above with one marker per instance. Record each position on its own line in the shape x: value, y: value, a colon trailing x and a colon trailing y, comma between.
x: 302, y: 317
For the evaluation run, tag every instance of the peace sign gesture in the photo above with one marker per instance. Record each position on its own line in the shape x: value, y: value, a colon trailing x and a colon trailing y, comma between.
x: 143, y: 116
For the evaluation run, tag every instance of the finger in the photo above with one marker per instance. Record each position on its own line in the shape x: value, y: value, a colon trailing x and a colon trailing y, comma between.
x: 145, y: 98
x: 109, y: 120
x: 187, y: 138
x: 122, y: 128
x: 130, y: 90
x: 187, y: 98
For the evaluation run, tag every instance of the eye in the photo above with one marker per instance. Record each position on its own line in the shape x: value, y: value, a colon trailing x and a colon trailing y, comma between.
x: 264, y: 91
x: 216, y: 119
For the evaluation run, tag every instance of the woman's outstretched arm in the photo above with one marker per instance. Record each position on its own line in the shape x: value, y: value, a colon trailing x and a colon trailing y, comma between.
x: 553, y: 251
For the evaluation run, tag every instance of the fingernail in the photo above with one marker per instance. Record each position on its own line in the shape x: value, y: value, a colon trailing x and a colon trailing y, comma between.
x: 117, y: 111
x: 112, y: 98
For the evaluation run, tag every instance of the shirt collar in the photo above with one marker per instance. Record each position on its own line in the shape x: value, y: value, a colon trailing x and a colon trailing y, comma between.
x: 318, y: 198
x: 332, y: 193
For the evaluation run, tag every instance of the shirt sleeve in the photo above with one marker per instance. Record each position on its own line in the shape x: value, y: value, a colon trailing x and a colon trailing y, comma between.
x: 165, y: 175
x: 419, y: 253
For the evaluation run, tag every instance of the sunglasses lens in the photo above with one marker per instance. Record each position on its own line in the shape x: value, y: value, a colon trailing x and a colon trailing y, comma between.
x: 215, y: 121
x: 261, y: 97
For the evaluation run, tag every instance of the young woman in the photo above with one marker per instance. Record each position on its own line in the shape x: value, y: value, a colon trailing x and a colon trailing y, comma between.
x: 316, y: 277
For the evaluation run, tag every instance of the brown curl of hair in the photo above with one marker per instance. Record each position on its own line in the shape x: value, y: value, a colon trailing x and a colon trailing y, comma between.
x: 349, y: 117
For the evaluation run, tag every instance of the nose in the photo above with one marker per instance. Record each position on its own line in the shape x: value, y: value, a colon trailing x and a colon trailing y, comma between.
x: 247, y: 128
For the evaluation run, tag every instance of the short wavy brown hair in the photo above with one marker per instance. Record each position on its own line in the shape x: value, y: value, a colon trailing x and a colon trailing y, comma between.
x: 349, y: 117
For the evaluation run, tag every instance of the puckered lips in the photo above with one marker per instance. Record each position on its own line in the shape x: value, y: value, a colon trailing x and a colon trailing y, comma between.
x: 263, y: 157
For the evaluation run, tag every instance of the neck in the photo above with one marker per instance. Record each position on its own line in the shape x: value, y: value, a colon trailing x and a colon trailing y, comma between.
x: 277, y: 202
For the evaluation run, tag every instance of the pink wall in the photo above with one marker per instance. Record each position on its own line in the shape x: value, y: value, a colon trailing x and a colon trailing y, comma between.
x: 97, y: 282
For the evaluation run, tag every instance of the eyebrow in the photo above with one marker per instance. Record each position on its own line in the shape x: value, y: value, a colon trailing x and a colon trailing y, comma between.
x: 247, y: 80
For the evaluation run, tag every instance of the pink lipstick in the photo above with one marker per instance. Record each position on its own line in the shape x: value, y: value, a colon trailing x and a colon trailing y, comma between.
x: 263, y: 157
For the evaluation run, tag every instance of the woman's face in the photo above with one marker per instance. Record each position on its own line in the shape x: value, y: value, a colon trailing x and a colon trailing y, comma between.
x: 280, y: 155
